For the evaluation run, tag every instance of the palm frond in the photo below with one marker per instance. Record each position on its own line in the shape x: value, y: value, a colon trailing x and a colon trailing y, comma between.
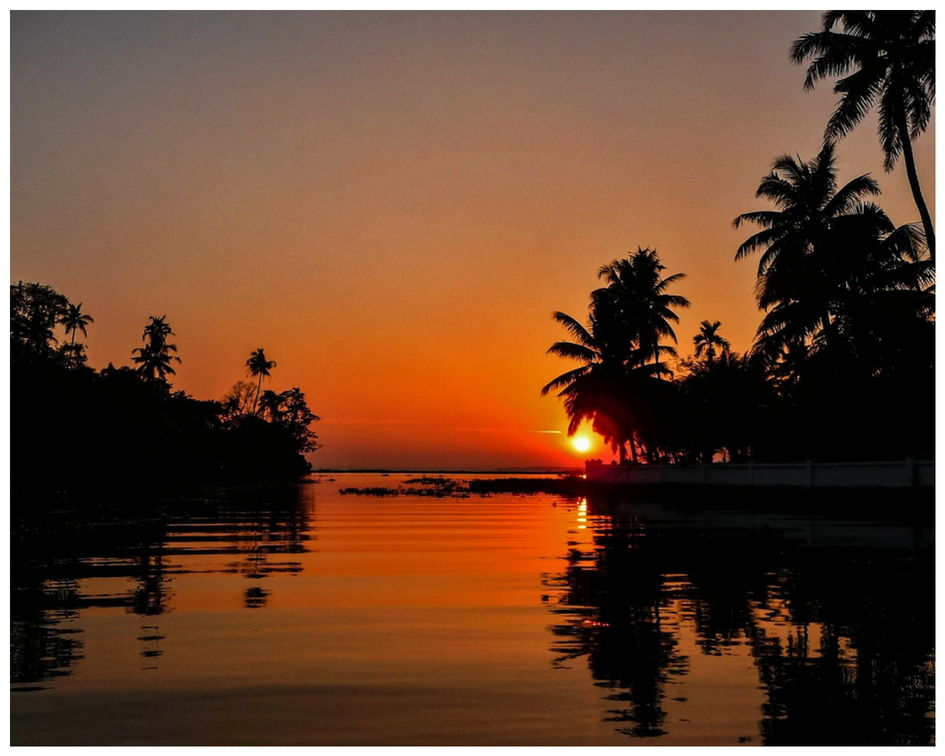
x: 571, y: 351
x: 565, y: 379
x: 575, y: 328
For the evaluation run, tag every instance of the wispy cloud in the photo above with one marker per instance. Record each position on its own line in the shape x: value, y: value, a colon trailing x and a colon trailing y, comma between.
x: 500, y: 430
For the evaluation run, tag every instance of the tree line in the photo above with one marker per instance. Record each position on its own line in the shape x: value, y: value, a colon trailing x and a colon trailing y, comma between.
x: 842, y: 366
x: 72, y: 425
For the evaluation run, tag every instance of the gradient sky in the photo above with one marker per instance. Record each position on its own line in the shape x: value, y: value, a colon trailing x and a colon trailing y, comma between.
x: 393, y: 204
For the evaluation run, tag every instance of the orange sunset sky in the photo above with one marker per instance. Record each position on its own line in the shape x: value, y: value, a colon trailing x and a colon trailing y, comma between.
x: 393, y: 204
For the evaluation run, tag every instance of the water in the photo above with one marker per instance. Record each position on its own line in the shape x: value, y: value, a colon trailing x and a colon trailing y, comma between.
x: 307, y: 617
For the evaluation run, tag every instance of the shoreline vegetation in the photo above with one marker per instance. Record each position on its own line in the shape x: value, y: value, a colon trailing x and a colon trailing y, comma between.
x: 568, y: 486
x: 141, y: 430
x: 842, y: 366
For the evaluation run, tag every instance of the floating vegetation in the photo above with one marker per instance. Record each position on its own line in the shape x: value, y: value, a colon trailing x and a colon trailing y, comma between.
x: 447, y: 487
x: 568, y: 486
x: 371, y: 491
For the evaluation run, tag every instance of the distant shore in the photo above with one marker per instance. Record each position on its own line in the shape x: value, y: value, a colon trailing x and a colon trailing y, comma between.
x: 578, y: 470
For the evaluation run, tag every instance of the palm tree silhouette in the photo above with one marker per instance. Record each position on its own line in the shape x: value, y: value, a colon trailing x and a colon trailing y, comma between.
x: 708, y: 339
x: 258, y: 366
x: 621, y: 351
x: 596, y: 390
x: 636, y: 290
x: 154, y: 362
x: 157, y: 331
x: 76, y: 320
x: 799, y: 266
x: 892, y: 58
x: 154, y: 358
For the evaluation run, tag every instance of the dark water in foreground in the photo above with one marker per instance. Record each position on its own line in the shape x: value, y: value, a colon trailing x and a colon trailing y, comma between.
x: 307, y: 617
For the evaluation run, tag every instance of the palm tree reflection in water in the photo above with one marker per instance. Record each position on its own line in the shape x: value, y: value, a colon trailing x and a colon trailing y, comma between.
x: 53, y: 583
x: 841, y: 638
x: 612, y: 599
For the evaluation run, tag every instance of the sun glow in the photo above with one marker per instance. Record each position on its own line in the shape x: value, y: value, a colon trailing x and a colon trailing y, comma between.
x: 581, y: 443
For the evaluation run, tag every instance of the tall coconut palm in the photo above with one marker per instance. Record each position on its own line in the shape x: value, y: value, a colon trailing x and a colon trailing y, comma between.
x: 154, y: 358
x: 257, y: 366
x: 620, y: 349
x: 890, y: 57
x: 154, y: 362
x: 708, y: 339
x: 157, y: 331
x: 597, y: 391
x: 637, y: 291
x: 798, y: 268
x: 76, y: 320
x: 594, y: 346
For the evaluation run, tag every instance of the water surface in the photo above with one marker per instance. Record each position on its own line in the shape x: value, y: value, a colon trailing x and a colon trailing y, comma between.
x: 302, y: 616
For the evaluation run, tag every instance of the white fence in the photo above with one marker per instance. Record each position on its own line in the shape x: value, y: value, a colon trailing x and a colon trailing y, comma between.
x: 907, y: 474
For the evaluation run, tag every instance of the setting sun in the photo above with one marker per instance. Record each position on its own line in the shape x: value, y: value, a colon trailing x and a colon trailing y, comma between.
x: 581, y: 443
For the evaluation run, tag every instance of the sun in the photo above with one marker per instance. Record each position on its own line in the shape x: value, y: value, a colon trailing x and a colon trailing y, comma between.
x: 581, y: 443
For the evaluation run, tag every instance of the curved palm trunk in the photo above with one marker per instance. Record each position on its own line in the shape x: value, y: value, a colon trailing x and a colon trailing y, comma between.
x: 909, y: 157
x: 256, y: 398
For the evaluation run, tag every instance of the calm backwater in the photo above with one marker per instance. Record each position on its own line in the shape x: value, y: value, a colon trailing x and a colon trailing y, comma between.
x: 309, y: 617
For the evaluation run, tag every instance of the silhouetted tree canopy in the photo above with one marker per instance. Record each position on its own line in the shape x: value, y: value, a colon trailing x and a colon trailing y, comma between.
x: 886, y: 59
x: 72, y: 426
x: 619, y: 387
x: 843, y: 363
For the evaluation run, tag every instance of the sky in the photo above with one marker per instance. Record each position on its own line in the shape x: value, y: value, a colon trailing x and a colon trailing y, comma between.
x: 393, y: 204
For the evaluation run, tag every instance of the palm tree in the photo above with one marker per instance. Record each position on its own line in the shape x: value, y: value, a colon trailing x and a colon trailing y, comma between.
x: 154, y: 362
x: 708, y: 339
x: 597, y: 390
x: 76, y: 320
x: 615, y: 388
x: 157, y: 331
x: 258, y: 366
x: 154, y: 358
x: 636, y: 290
x: 892, y: 58
x: 799, y: 269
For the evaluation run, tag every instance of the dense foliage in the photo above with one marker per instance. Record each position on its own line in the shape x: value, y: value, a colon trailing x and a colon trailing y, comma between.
x: 842, y: 367
x: 72, y: 425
